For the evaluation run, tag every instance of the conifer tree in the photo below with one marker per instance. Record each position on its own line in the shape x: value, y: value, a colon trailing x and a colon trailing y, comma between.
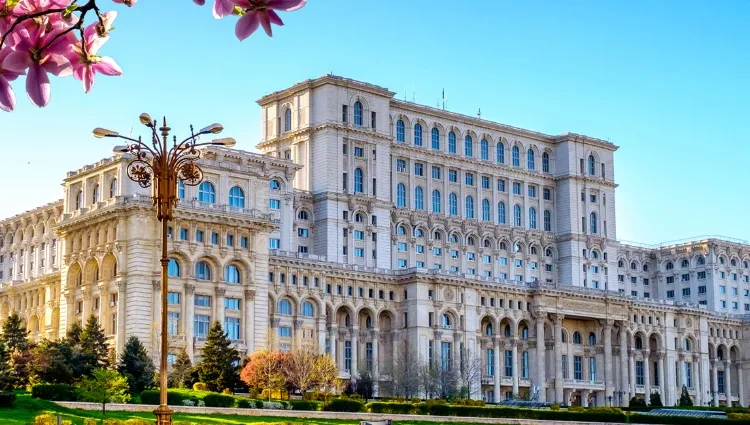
x: 6, y: 370
x: 219, y: 367
x: 15, y: 336
x: 136, y: 366
x: 52, y: 362
x: 685, y: 399
x: 182, y: 370
x: 93, y: 347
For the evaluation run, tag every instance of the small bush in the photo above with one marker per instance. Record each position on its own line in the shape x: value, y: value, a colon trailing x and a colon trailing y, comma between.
x: 242, y: 403
x: 66, y: 422
x: 174, y: 397
x: 90, y: 421
x: 112, y: 422
x: 604, y: 409
x: 274, y: 395
x: 393, y: 408
x: 253, y: 393
x: 304, y: 405
x: 138, y: 422
x: 182, y: 423
x: 200, y: 386
x: 343, y: 405
x: 258, y: 404
x: 416, y: 400
x: 45, y: 420
x: 227, y: 391
x: 467, y: 402
x: 54, y: 392
x: 576, y: 409
x: 743, y: 416
x: 218, y: 400
x: 355, y: 396
x: 7, y: 398
x: 554, y: 407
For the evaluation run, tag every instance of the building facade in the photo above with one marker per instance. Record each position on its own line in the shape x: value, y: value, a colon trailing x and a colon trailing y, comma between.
x: 368, y: 226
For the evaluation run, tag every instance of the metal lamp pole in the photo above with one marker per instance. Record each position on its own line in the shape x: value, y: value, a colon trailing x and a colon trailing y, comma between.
x: 164, y: 166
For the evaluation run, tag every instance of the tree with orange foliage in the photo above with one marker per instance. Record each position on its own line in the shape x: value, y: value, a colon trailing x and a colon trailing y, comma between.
x: 265, y: 370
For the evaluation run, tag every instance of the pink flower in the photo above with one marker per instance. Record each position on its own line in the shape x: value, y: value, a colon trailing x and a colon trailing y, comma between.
x: 222, y: 8
x: 199, y: 2
x: 261, y: 12
x: 87, y: 63
x: 51, y: 60
x: 128, y: 3
x: 7, y: 97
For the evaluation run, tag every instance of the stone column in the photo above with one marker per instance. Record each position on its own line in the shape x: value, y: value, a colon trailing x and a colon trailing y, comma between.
x: 121, y: 290
x: 608, y: 365
x: 728, y: 381
x: 189, y: 319
x: 647, y: 375
x: 355, y: 335
x: 697, y: 380
x: 249, y: 320
x: 514, y: 348
x: 496, y: 390
x: 740, y: 382
x: 624, y: 387
x: 558, y: 318
x: 680, y: 372
x: 540, y: 356
x: 375, y: 357
x: 632, y: 374
x: 715, y: 379
x: 219, y: 305
x: 663, y: 376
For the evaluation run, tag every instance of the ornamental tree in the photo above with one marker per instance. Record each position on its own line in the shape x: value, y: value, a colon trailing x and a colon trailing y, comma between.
x: 39, y: 38
x: 136, y: 366
x: 104, y: 386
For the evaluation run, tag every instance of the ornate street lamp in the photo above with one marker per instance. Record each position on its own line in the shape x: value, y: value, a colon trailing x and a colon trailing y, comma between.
x: 164, y: 166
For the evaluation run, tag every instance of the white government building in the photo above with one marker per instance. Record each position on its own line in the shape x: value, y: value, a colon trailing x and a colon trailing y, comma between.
x: 369, y: 222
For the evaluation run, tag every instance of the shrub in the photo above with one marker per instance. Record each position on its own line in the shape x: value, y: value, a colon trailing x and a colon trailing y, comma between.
x: 218, y: 400
x: 258, y: 404
x: 7, y: 398
x: 393, y: 408
x: 743, y: 416
x: 90, y: 421
x: 66, y: 422
x: 343, y: 405
x: 112, y: 422
x: 604, y: 409
x: 502, y: 412
x: 274, y: 395
x: 467, y: 402
x: 243, y: 403
x: 355, y: 396
x: 137, y: 422
x: 200, y: 386
x: 188, y: 402
x: 304, y: 405
x: 182, y: 423
x: 45, y: 420
x: 54, y: 392
x: 576, y: 409
x: 416, y: 400
x: 174, y: 397
x: 227, y: 391
x: 637, y: 402
x: 554, y: 407
x: 272, y: 405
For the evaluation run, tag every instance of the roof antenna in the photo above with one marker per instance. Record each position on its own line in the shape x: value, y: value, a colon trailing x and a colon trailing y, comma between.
x: 444, y: 98
x: 479, y: 113
x: 413, y: 99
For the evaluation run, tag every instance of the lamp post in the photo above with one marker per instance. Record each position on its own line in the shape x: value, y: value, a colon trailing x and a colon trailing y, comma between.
x: 164, y: 166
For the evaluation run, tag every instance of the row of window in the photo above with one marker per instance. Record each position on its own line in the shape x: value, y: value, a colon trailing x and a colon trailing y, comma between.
x: 203, y: 271
x: 95, y: 195
x: 685, y: 263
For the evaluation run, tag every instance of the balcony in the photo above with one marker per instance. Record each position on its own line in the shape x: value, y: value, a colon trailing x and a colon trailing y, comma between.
x: 583, y: 383
x: 488, y: 380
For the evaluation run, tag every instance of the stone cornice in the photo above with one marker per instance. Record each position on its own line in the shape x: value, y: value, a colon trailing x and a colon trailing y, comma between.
x: 320, y: 81
x: 305, y: 132
x: 51, y: 209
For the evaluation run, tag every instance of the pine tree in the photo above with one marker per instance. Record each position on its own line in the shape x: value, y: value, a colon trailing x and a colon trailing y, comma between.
x: 15, y: 336
x: 136, y: 366
x: 219, y: 367
x: 93, y: 347
x: 52, y: 362
x: 6, y: 370
x: 73, y: 335
x: 655, y: 399
x: 685, y: 399
x: 182, y: 369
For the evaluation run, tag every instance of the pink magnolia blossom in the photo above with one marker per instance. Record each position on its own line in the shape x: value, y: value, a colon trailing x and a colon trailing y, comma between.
x: 262, y: 12
x: 86, y: 63
x: 128, y: 3
x: 26, y: 56
x: 222, y: 8
x: 7, y: 97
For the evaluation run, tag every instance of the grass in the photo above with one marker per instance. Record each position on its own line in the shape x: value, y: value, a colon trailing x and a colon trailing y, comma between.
x: 26, y: 408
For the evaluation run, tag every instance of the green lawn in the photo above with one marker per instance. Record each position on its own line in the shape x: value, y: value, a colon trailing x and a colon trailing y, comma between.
x: 26, y: 408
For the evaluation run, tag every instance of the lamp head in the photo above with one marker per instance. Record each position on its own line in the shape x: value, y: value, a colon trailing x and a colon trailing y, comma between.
x: 225, y: 141
x: 214, y: 128
x: 146, y: 120
x: 103, y: 132
x: 121, y: 149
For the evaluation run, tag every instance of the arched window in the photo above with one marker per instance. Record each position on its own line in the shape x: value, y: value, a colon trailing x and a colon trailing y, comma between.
x: 418, y: 232
x: 686, y: 263
x: 206, y: 193
x: 401, y: 230
x: 79, y: 200
x: 486, y: 213
x: 721, y: 261
x: 500, y: 153
x: 401, y: 195
x: 232, y: 274
x: 633, y: 266
x: 545, y: 162
x: 451, y: 142
x: 368, y: 322
x: 592, y: 338
x: 524, y: 332
x: 688, y: 346
x: 436, y: 201
x: 638, y: 343
x: 516, y: 215
x: 173, y: 268
x: 274, y: 184
x: 506, y: 331
x: 113, y: 188
x: 564, y: 336
x: 453, y: 204
x: 592, y: 223
x: 236, y: 197
x: 358, y: 113
x: 453, y: 238
x: 531, y: 163
x: 547, y: 221
x: 645, y: 267
x: 532, y: 218
x: 502, y: 246
x: 303, y: 215
x: 516, y: 156
x: 470, y: 241
x: 288, y: 119
x: 202, y: 271
x: 501, y: 212
x: 285, y: 307
x: 469, y: 207
x: 468, y: 146
x: 669, y: 266
x: 446, y: 321
x: 594, y: 254
x: 358, y: 180
x: 576, y: 337
x: 438, y: 236
x: 417, y: 135
x: 488, y: 329
x: 419, y: 198
x: 487, y: 243
x: 592, y: 165
x: 702, y: 261
x: 180, y: 189
x: 95, y: 194
x: 435, y: 139
x: 400, y: 131
x: 548, y: 252
x: 484, y: 150
x: 359, y: 218
x: 307, y: 309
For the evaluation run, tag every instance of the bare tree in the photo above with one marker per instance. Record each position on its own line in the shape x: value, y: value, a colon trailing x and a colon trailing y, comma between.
x: 300, y: 369
x: 405, y: 374
x: 469, y: 374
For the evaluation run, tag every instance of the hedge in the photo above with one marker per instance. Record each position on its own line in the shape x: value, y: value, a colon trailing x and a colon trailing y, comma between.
x: 501, y: 412
x: 7, y: 398
x: 219, y: 400
x: 343, y: 405
x: 304, y: 405
x: 174, y: 398
x: 54, y: 392
x: 393, y: 408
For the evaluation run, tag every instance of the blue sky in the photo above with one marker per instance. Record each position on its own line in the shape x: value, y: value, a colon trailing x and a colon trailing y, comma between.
x: 666, y: 81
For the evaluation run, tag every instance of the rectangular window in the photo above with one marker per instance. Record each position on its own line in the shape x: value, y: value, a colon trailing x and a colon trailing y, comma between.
x: 173, y: 322
x: 203, y: 301
x: 173, y: 298
x: 199, y: 236
x: 232, y: 303
x: 701, y: 275
x: 359, y: 252
x: 348, y: 356
x: 670, y: 294
x: 401, y: 165
x: 344, y: 113
x: 469, y: 179
x: 500, y: 185
x: 373, y: 119
x: 532, y: 191
x: 445, y: 356
x: 490, y: 362
x: 685, y: 278
x: 639, y: 372
x: 274, y: 204
x: 344, y: 182
x: 670, y: 279
x: 420, y: 249
x: 402, y: 263
x: 564, y: 366
x: 359, y: 235
x: 508, y: 363
x: 437, y: 251
x: 359, y: 152
x: 592, y: 368
x: 230, y: 240
x: 720, y: 381
x: 577, y: 367
x: 516, y: 188
x: 274, y: 243
x: 303, y: 233
x: 214, y: 238
x: 485, y: 182
x: 285, y: 332
x: 547, y: 194
x: 201, y: 325
x: 453, y: 176
x: 243, y: 242
x: 418, y: 169
x: 436, y: 172
x: 525, y: 364
x: 685, y: 292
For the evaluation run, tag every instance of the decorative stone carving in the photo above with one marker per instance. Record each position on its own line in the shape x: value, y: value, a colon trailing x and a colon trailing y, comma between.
x: 190, y: 289
x: 220, y: 292
x: 249, y: 295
